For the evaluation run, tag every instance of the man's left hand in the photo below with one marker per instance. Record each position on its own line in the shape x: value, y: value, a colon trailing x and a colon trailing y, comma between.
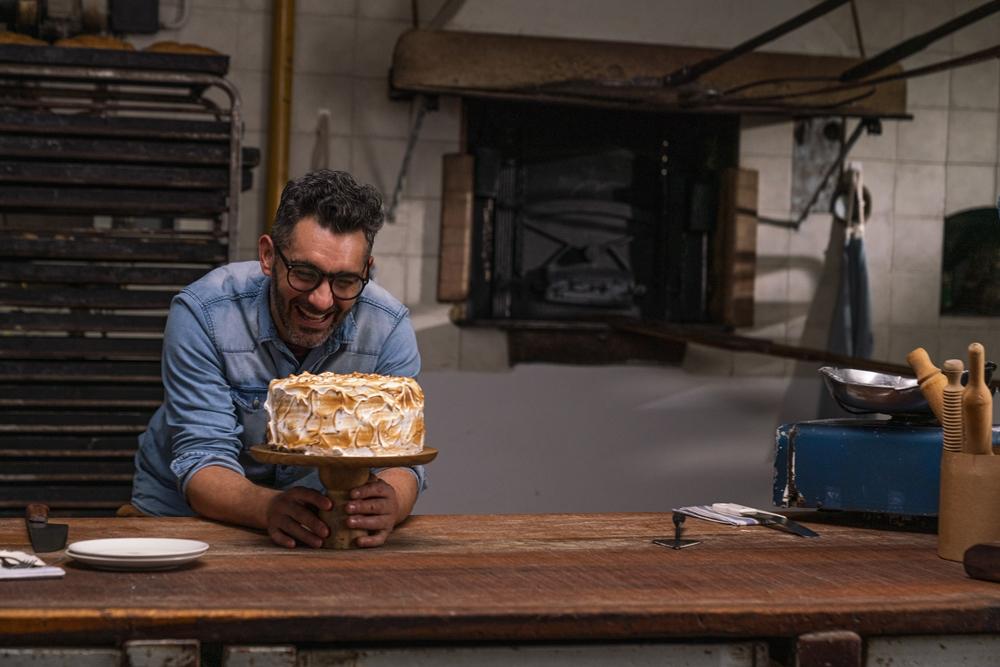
x: 374, y: 507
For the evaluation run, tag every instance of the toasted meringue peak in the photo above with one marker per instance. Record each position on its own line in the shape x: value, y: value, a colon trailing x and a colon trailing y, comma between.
x: 360, y: 414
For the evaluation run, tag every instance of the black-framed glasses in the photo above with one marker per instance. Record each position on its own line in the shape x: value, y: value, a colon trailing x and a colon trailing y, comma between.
x: 304, y: 277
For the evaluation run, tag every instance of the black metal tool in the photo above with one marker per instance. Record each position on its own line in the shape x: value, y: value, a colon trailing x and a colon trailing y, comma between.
x: 44, y: 536
x: 677, y: 542
x: 782, y: 523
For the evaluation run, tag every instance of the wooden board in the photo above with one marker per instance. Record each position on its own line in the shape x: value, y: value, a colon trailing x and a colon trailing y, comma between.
x: 85, y: 125
x: 580, y: 577
x: 34, y: 370
x: 455, y: 265
x: 734, y: 247
x: 130, y: 201
x: 38, y: 348
x: 77, y: 322
x: 114, y: 246
x: 576, y: 71
x: 99, y: 174
x: 113, y: 149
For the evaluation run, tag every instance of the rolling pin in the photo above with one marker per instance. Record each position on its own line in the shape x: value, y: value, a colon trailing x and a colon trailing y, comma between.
x: 930, y: 379
x: 977, y: 406
x: 982, y: 561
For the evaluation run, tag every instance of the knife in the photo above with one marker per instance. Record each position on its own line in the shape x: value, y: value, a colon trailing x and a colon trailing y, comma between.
x: 769, y: 519
x: 44, y: 536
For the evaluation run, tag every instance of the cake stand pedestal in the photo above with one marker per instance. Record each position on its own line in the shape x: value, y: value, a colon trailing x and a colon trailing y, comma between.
x: 339, y: 475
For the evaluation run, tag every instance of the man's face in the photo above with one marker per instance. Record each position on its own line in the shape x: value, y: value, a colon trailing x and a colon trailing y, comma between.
x: 306, y: 319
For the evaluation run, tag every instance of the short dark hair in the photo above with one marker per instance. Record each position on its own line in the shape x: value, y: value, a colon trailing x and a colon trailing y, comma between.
x: 338, y: 202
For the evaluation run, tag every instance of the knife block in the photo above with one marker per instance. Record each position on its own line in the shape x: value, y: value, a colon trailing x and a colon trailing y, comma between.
x: 969, y: 506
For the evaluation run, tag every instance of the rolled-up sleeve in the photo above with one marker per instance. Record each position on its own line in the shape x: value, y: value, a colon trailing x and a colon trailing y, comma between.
x: 201, y: 418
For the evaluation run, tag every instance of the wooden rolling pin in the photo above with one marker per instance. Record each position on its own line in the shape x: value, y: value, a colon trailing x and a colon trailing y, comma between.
x: 977, y: 406
x: 982, y: 561
x: 930, y: 379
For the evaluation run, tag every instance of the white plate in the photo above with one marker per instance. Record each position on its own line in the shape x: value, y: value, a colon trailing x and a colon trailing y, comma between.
x: 136, y: 553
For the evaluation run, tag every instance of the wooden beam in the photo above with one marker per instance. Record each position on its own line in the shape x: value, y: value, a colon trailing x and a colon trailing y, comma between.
x: 622, y: 74
x: 456, y: 227
x: 734, y: 249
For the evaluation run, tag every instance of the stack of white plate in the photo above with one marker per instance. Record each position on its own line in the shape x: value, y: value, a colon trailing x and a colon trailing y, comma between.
x: 136, y: 553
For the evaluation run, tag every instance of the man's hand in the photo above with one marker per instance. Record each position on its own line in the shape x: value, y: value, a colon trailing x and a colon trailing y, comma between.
x: 377, y: 506
x: 290, y: 517
x: 373, y: 507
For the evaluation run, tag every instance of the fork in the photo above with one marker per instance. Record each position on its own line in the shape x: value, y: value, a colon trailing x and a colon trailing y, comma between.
x: 12, y: 563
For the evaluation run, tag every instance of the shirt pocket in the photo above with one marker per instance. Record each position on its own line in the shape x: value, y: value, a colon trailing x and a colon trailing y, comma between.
x: 251, y: 415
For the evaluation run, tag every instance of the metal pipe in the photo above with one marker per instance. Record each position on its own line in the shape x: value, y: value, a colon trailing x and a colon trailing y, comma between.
x: 279, y: 120
x: 687, y: 74
x: 857, y: 29
x: 912, y: 45
x: 952, y: 63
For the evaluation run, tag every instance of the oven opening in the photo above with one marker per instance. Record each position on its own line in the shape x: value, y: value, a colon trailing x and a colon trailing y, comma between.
x: 585, y: 213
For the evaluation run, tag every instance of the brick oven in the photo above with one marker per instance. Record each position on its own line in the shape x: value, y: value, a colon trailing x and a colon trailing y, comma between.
x: 599, y: 183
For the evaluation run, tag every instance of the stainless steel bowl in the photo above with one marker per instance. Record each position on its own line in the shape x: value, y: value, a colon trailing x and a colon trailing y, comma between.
x: 866, y: 392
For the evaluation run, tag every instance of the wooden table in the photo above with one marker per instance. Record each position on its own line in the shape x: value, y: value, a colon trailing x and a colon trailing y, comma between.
x: 503, y: 578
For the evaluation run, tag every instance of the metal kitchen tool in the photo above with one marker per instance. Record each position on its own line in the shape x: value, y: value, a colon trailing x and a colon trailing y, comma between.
x: 769, y: 519
x: 15, y: 563
x: 781, y: 523
x: 677, y: 542
x: 865, y: 392
x: 44, y: 536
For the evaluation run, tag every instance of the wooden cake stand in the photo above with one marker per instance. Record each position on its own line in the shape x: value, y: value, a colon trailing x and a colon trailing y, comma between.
x: 339, y: 475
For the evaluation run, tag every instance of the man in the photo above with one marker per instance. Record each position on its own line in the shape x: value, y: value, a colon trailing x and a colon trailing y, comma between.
x: 306, y: 305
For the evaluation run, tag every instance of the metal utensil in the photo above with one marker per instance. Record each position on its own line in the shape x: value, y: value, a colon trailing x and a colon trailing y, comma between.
x: 677, y: 542
x: 867, y: 392
x: 781, y: 523
x: 44, y: 536
x: 11, y: 563
x: 769, y: 519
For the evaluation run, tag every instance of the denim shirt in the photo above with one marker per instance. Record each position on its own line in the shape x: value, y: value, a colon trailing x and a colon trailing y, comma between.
x: 220, y: 351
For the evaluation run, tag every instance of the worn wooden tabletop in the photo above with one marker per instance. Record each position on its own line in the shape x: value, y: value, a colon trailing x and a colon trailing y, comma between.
x: 503, y: 577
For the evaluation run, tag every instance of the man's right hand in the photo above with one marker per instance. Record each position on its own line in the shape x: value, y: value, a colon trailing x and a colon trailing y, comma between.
x: 290, y: 517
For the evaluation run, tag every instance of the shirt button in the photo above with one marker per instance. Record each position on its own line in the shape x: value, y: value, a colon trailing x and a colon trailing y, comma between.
x: 256, y: 402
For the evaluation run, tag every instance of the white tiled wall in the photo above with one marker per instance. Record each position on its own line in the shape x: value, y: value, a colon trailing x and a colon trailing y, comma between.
x: 943, y: 161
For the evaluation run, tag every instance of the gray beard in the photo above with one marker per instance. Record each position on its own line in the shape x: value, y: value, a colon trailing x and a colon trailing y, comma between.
x: 280, y: 313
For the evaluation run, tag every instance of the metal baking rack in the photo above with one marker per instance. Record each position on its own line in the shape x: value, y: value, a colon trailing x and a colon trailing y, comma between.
x: 120, y: 177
